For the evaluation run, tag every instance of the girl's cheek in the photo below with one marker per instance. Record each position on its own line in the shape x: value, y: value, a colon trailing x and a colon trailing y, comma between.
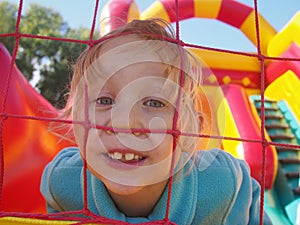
x: 102, y: 118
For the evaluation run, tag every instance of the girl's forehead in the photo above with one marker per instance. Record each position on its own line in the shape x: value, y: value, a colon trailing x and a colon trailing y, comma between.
x: 127, y: 58
x: 124, y: 71
x: 141, y: 77
x: 130, y: 53
x: 116, y: 42
x: 132, y: 48
x: 142, y: 73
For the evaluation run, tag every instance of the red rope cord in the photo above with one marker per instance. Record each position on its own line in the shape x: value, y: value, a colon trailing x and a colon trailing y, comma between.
x: 156, y: 131
x: 86, y: 118
x: 5, y: 93
x: 94, y: 21
x: 88, y: 42
x: 86, y: 131
x: 262, y: 128
x: 176, y: 116
x: 42, y: 37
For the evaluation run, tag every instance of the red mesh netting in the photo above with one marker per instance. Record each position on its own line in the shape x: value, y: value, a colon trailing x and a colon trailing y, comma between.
x: 8, y: 118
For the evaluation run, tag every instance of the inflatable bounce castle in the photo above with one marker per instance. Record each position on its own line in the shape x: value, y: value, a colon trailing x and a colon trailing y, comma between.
x: 261, y: 108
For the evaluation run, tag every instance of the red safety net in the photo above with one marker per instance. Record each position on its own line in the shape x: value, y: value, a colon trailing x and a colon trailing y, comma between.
x: 90, y: 217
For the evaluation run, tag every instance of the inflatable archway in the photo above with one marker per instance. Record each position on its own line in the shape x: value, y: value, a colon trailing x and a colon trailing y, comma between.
x: 25, y: 159
x: 230, y: 12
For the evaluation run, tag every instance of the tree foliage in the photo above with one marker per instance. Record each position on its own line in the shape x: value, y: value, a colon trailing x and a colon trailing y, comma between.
x: 7, y: 23
x: 49, y: 57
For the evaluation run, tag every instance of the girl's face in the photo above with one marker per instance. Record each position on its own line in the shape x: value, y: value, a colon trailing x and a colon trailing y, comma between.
x: 127, y: 89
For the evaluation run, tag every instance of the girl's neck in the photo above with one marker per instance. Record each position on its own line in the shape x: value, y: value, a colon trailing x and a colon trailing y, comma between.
x: 140, y: 204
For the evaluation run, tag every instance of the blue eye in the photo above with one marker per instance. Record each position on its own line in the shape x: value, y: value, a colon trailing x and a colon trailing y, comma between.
x: 105, y: 101
x: 154, y: 103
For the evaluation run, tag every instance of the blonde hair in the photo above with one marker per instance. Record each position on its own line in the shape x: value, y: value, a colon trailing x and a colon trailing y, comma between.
x: 190, y: 111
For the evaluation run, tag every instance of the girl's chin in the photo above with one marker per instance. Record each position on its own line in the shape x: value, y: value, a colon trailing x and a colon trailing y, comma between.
x: 120, y: 189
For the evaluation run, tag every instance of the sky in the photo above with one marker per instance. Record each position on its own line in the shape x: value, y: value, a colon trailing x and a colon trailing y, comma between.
x: 206, y: 32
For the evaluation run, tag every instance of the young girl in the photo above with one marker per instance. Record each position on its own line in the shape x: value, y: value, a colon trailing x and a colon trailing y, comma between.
x: 134, y: 95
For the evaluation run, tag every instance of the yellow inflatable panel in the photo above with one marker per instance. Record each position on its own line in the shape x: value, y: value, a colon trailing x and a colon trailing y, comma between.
x: 30, y: 221
x: 286, y: 87
x: 207, y: 9
x: 283, y: 39
x: 267, y: 32
x: 233, y: 147
x: 133, y: 12
x: 224, y: 60
x: 156, y: 10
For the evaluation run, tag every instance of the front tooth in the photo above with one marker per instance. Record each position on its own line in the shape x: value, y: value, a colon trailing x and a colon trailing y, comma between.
x: 118, y: 155
x: 129, y: 156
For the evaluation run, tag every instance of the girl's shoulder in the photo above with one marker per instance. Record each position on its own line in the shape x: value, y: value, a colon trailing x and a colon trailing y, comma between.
x: 60, y: 177
x: 222, y: 170
x: 226, y: 189
x: 67, y: 157
x: 219, y: 159
x: 65, y: 168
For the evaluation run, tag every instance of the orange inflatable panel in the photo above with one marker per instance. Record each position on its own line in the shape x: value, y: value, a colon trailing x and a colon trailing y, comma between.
x: 27, y: 143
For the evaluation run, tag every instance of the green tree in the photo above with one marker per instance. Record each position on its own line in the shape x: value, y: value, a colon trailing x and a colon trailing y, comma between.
x: 57, y: 73
x: 49, y: 57
x: 8, y: 14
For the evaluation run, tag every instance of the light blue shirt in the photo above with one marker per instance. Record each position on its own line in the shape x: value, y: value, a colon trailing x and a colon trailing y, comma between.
x: 216, y: 189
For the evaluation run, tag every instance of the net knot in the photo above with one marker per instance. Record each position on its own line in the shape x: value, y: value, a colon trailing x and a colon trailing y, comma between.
x: 176, y: 133
x: 180, y: 42
x: 4, y: 117
x: 17, y: 35
x: 261, y: 57
x: 265, y: 143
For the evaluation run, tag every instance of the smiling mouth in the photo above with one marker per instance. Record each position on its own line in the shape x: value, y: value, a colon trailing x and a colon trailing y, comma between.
x: 125, y: 157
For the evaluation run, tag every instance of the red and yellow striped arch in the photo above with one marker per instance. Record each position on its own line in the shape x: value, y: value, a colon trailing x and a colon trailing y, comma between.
x: 230, y: 12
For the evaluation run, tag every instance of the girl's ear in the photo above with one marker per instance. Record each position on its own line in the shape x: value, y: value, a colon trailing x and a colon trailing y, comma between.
x: 209, y: 103
x: 205, y: 129
x: 208, y: 122
x: 203, y: 108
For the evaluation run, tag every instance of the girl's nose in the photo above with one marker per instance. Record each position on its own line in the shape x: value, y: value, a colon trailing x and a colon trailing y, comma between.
x: 126, y: 119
